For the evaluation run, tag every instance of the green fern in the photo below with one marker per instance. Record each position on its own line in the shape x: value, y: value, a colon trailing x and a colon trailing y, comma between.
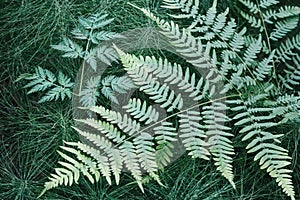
x: 230, y: 59
x: 44, y: 80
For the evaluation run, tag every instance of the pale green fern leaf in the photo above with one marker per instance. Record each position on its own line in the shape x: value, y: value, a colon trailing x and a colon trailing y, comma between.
x: 70, y: 48
x: 255, y: 122
x: 113, y: 85
x: 165, y: 134
x: 283, y: 27
x: 44, y: 79
x: 267, y: 3
x: 90, y: 92
x: 146, y: 153
x: 141, y: 111
x: 113, y: 154
x: 131, y: 161
x: 124, y: 122
x: 292, y: 74
x: 253, y: 8
x: 220, y: 146
x: 264, y: 67
x: 193, y: 134
x: 189, y: 7
x: 285, y: 50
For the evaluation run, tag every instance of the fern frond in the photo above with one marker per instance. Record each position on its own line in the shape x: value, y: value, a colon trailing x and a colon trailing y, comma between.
x: 113, y: 154
x: 285, y: 50
x: 44, y: 79
x: 124, y: 122
x: 193, y: 135
x: 264, y: 67
x: 70, y: 171
x: 286, y: 106
x: 140, y: 72
x: 146, y: 153
x: 190, y: 7
x: 165, y: 134
x: 252, y: 51
x: 112, y: 85
x: 131, y: 161
x: 220, y: 146
x: 253, y: 21
x: 91, y: 165
x: 95, y: 21
x: 283, y: 27
x: 255, y: 122
x: 70, y: 48
x: 106, y: 54
x: 253, y: 8
x: 90, y: 93
x: 141, y: 111
x: 267, y: 3
x: 292, y: 73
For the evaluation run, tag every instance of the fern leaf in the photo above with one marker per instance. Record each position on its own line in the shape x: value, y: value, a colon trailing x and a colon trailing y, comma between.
x: 95, y: 21
x: 221, y: 147
x: 44, y: 79
x: 192, y: 134
x: 106, y: 54
x: 283, y: 27
x: 70, y: 48
x: 124, y: 122
x: 190, y: 7
x: 264, y: 67
x: 272, y: 157
x: 131, y: 161
x: 285, y: 50
x: 90, y: 93
x: 253, y: 8
x: 112, y: 153
x: 267, y: 3
x: 141, y: 111
x: 292, y: 74
x: 146, y: 153
x: 164, y: 135
x: 140, y: 72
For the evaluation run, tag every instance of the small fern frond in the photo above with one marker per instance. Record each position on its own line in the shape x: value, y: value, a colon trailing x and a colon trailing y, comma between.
x: 292, y: 73
x: 90, y: 93
x: 285, y: 50
x: 264, y: 67
x: 112, y: 154
x: 44, y: 79
x: 189, y: 7
x: 252, y: 51
x: 283, y: 27
x: 124, y: 122
x: 131, y: 161
x: 139, y: 69
x: 252, y: 7
x: 165, y: 134
x: 95, y: 21
x: 141, y: 111
x: 193, y: 135
x: 267, y: 3
x: 106, y: 54
x: 146, y: 153
x: 70, y: 48
x: 70, y: 171
x: 112, y: 85
x: 220, y: 146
